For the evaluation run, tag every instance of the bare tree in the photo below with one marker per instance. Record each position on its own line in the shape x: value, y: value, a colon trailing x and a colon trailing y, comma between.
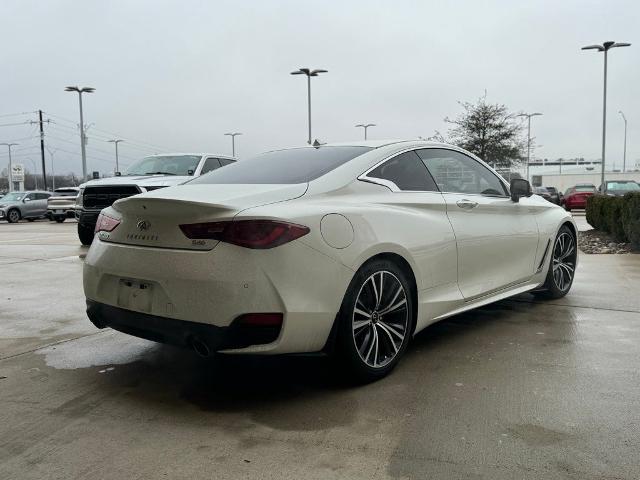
x: 487, y: 130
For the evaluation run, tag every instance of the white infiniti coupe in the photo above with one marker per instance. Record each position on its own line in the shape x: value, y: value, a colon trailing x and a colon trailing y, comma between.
x: 348, y: 249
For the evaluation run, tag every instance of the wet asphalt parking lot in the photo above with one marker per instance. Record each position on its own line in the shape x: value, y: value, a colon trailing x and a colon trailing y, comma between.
x: 519, y: 389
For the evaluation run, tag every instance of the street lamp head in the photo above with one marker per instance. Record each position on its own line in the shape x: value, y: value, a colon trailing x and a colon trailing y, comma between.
x: 620, y: 44
x: 308, y: 72
x: 233, y: 134
x: 536, y: 114
x: 10, y: 144
x: 80, y: 89
x: 608, y: 45
x: 600, y: 48
x: 115, y: 141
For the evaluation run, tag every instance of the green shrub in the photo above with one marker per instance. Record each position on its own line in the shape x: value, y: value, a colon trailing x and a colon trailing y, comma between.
x: 594, y: 211
x: 631, y: 219
x: 613, y: 218
x: 618, y: 216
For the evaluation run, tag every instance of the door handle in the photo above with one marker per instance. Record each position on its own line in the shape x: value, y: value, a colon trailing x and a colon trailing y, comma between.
x: 467, y: 204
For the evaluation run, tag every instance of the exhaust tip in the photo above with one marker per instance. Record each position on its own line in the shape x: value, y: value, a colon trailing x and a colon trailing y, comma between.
x: 200, y: 347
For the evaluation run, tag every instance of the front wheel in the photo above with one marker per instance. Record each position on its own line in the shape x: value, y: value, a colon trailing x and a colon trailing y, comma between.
x: 85, y: 234
x: 13, y: 216
x: 562, y: 266
x: 60, y: 219
x: 375, y: 321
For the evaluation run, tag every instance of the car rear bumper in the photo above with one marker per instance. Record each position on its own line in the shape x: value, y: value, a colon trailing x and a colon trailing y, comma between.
x: 179, y: 332
x: 214, y: 288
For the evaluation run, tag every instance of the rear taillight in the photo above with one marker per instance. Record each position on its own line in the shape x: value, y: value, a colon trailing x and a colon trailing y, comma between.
x: 106, y: 223
x: 258, y: 234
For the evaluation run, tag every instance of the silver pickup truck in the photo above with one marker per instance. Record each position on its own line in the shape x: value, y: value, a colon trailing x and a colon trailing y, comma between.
x: 62, y: 204
x: 149, y: 173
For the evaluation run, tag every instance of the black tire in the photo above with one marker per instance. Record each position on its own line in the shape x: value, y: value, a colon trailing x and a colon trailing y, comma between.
x: 561, y: 265
x: 382, y: 329
x: 13, y: 215
x: 59, y: 219
x: 85, y: 234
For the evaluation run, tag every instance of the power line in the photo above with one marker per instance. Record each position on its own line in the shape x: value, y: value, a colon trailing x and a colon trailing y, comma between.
x: 112, y: 134
x: 16, y: 114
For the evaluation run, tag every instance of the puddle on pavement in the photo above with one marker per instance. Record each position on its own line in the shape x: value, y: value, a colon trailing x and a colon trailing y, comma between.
x: 111, y: 348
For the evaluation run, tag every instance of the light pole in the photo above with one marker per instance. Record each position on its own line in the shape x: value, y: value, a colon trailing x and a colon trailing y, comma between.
x: 83, y: 141
x: 116, y: 142
x: 309, y: 73
x: 624, y: 155
x: 528, y: 115
x: 605, y: 47
x: 365, y: 126
x: 53, y: 173
x: 233, y: 142
x: 9, y: 145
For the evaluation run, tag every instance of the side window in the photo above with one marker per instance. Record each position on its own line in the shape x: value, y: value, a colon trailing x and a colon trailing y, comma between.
x: 42, y: 196
x: 457, y: 173
x: 226, y: 161
x: 210, y: 164
x: 407, y: 172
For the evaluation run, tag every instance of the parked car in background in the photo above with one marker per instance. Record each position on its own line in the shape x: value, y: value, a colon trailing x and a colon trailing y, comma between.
x: 347, y: 249
x: 29, y: 205
x: 62, y: 203
x: 150, y: 173
x: 543, y: 192
x: 619, y: 187
x: 556, y: 195
x: 576, y: 196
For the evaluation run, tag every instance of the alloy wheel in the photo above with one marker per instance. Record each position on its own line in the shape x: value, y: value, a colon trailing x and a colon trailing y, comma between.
x: 14, y: 216
x: 564, y: 260
x: 380, y: 319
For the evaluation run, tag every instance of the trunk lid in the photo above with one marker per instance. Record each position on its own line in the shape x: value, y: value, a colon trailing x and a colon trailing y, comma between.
x: 152, y: 219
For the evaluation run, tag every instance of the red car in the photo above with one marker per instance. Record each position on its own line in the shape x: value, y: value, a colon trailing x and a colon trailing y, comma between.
x: 576, y: 196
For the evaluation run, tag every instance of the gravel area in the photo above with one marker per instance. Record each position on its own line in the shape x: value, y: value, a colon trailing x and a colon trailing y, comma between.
x: 594, y: 241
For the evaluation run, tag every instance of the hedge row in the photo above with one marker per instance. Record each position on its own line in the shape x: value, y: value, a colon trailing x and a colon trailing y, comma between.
x: 619, y: 216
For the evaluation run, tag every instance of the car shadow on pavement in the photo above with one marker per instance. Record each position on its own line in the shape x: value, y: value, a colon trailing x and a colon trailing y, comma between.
x: 289, y: 392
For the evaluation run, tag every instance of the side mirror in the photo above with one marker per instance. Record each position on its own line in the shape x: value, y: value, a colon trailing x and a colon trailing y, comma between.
x: 520, y: 188
x: 26, y: 200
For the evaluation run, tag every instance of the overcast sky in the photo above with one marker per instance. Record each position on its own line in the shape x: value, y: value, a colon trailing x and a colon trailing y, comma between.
x: 179, y: 74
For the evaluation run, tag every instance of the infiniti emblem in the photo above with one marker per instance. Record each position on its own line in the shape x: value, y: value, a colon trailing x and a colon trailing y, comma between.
x: 143, y: 225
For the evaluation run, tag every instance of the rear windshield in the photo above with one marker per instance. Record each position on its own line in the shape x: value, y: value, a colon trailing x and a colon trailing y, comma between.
x: 165, y: 165
x: 297, y: 165
x: 585, y: 188
x: 623, y: 186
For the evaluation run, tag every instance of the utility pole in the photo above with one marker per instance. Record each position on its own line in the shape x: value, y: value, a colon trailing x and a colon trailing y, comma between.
x: 44, y: 168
